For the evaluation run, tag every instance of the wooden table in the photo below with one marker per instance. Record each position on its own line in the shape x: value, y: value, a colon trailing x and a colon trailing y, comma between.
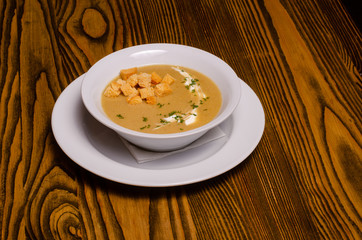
x: 303, y: 181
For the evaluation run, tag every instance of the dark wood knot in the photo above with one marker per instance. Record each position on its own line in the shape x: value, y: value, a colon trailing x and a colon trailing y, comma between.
x: 93, y: 23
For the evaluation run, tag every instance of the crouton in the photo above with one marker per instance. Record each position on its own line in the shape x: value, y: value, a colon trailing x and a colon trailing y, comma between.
x: 155, y: 78
x: 146, y: 92
x: 151, y: 100
x: 168, y: 79
x: 133, y: 100
x: 132, y: 80
x: 121, y: 81
x: 116, y: 86
x: 162, y: 89
x: 110, y: 92
x: 126, y: 73
x: 128, y: 90
x: 138, y: 87
x: 144, y: 80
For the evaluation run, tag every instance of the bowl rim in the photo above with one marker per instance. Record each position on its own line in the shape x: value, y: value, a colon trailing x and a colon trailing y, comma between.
x: 119, y: 129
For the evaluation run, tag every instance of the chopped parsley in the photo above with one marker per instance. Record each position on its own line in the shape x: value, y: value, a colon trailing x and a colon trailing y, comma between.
x: 144, y: 119
x: 193, y: 81
x: 177, y: 115
x: 119, y: 116
x: 179, y: 118
x: 144, y: 127
x: 160, y: 105
x: 194, y: 106
x: 173, y: 113
x: 204, y: 100
x: 164, y: 121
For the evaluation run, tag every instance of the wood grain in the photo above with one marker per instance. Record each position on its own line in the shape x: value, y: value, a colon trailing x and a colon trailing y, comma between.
x: 303, y: 181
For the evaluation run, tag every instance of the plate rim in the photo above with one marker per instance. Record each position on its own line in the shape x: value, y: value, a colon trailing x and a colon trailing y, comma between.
x: 59, y: 137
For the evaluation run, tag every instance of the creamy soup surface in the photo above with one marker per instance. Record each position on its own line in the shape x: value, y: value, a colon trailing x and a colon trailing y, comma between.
x: 192, y: 101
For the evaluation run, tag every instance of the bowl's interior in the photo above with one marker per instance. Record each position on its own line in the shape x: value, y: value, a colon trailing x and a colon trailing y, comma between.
x: 100, y: 74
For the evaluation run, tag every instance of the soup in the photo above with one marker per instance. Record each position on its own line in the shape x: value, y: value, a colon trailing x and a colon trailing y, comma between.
x: 161, y: 99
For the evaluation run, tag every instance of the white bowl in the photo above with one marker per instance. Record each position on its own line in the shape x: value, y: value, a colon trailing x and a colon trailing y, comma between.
x: 106, y: 69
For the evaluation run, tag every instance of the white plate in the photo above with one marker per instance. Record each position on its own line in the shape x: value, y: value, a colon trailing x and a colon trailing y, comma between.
x: 100, y: 151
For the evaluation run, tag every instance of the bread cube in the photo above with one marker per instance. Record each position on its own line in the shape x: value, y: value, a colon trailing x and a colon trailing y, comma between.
x: 132, y: 80
x: 111, y: 92
x: 155, y: 78
x: 168, y: 79
x: 121, y: 81
x: 144, y: 80
x: 126, y: 73
x: 162, y: 89
x: 128, y: 90
x: 115, y: 85
x: 146, y: 92
x: 133, y: 100
x: 151, y: 100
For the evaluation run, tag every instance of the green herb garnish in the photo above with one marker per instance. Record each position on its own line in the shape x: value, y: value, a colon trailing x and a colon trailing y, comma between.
x: 119, y: 116
x: 194, y: 106
x: 164, y: 121
x: 147, y: 126
x: 173, y: 113
x: 179, y: 118
x: 193, y: 82
x: 160, y: 105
